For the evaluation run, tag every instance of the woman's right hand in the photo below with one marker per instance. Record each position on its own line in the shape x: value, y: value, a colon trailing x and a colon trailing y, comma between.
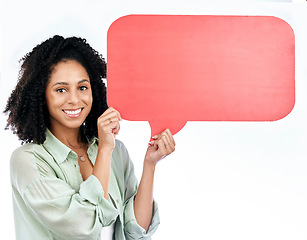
x: 108, y: 126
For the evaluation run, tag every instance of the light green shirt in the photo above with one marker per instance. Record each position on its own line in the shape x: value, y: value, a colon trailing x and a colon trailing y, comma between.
x: 51, y: 200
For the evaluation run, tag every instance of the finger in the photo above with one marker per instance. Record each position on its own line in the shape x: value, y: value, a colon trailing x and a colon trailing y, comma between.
x: 116, y: 129
x: 160, y: 143
x: 110, y: 120
x: 112, y: 110
x: 161, y: 146
x: 108, y: 126
x: 110, y: 113
x: 166, y: 131
x: 165, y: 147
x: 168, y: 138
x: 103, y: 120
x: 112, y: 129
x: 110, y: 117
x: 168, y: 135
x: 169, y: 146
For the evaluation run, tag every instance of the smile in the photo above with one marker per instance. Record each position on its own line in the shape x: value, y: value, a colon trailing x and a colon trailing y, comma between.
x: 73, y: 113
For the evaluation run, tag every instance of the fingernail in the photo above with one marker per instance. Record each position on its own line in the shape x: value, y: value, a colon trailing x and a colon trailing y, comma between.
x: 155, y: 137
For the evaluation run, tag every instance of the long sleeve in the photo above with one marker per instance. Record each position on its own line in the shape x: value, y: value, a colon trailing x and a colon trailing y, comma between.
x: 51, y: 200
x: 65, y: 212
x: 132, y: 230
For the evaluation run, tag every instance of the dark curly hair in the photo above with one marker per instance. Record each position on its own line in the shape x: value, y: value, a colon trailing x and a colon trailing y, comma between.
x: 28, y: 116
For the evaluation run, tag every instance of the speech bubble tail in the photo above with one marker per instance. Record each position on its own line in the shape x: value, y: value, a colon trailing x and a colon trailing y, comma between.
x: 159, y: 126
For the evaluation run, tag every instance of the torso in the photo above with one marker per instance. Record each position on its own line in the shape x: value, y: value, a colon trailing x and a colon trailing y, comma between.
x: 86, y: 166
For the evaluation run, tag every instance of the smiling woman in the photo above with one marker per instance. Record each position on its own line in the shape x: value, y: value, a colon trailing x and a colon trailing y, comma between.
x: 73, y: 179
x: 68, y: 95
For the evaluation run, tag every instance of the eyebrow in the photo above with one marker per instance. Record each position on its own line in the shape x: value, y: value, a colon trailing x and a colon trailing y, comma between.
x: 65, y: 83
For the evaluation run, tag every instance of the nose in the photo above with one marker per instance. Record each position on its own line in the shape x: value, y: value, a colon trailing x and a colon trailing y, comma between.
x: 73, y: 97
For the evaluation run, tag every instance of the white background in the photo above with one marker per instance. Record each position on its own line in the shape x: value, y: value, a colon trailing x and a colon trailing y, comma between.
x: 226, y: 180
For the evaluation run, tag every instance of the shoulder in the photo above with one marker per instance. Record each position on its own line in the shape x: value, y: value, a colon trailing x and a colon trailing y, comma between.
x: 121, y: 155
x: 120, y: 149
x: 120, y: 145
x: 28, y: 163
x: 28, y: 147
x: 23, y: 154
x: 28, y: 152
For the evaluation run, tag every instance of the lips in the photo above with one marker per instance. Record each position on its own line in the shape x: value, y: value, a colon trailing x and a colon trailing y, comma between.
x: 73, y: 113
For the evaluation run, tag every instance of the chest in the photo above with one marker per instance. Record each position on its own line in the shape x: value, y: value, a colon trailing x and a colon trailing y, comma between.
x: 72, y: 172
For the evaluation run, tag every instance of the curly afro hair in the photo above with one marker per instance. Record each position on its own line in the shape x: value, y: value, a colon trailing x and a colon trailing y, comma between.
x: 28, y: 116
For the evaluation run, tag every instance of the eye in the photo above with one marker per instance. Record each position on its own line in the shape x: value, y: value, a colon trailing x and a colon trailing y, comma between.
x: 61, y: 90
x: 83, y: 88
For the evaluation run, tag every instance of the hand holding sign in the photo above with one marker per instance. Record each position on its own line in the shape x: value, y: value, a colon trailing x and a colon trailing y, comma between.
x: 172, y: 69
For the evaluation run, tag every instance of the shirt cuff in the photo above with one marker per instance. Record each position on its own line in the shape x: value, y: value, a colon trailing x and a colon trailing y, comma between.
x: 133, y: 229
x: 92, y: 191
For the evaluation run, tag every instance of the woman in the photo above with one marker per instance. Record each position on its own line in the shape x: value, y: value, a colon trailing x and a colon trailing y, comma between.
x: 72, y: 179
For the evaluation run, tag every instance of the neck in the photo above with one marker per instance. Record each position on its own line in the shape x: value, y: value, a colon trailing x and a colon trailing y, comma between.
x: 71, y: 137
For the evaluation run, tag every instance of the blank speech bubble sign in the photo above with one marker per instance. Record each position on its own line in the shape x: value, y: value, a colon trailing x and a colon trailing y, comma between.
x: 169, y: 69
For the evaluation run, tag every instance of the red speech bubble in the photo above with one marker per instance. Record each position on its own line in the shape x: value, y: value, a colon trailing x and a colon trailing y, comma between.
x: 172, y: 69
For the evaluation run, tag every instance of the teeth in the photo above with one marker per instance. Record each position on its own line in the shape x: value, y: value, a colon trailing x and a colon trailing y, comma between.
x: 72, y: 112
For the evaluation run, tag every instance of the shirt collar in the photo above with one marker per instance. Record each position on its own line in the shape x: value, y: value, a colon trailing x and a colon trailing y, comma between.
x: 55, y: 147
x: 59, y: 150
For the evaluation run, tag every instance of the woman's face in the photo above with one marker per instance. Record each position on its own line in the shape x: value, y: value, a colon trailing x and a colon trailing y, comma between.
x: 68, y: 95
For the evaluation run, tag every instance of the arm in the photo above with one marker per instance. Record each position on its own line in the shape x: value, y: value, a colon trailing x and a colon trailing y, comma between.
x: 162, y: 146
x: 42, y: 194
x: 108, y: 126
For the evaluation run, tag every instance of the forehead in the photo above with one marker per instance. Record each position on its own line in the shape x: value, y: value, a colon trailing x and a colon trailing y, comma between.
x: 68, y: 71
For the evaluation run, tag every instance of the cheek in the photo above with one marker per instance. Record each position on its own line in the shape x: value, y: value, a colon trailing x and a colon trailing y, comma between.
x: 90, y: 101
x: 89, y: 98
x: 53, y: 101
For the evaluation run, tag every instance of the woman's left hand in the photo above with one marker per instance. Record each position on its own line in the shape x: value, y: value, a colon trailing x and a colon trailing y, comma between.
x: 162, y: 145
